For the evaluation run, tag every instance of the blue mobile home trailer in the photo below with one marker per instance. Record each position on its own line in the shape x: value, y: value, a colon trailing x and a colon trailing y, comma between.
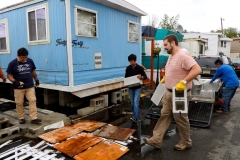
x: 78, y: 46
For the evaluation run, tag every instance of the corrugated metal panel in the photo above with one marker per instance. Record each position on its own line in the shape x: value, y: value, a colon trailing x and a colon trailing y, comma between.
x: 112, y: 42
x: 50, y: 60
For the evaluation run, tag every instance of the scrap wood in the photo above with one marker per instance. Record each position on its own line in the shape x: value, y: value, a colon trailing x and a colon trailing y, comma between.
x: 77, y: 144
x: 115, y: 132
x: 106, y: 150
x: 65, y: 132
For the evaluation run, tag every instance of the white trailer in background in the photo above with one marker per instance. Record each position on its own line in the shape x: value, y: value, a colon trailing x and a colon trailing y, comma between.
x: 194, y: 46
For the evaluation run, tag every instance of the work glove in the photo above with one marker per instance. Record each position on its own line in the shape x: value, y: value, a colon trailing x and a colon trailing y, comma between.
x: 163, y: 80
x: 18, y: 84
x: 180, y: 86
x: 37, y: 83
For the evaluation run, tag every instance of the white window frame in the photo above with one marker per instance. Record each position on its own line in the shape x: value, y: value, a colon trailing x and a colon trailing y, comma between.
x: 134, y: 32
x: 7, y: 51
x: 76, y: 22
x: 39, y: 42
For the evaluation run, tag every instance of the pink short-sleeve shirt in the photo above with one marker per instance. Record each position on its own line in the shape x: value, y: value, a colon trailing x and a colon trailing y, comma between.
x: 177, y: 68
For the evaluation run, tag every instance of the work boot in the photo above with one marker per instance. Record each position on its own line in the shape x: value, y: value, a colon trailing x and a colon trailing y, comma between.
x: 182, y: 146
x: 22, y: 121
x: 134, y: 119
x: 151, y: 143
x: 221, y: 112
x: 36, y: 121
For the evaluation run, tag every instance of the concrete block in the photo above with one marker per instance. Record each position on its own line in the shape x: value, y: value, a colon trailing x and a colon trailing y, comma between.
x: 97, y: 103
x: 116, y: 97
x: 116, y: 110
x: 158, y: 94
x: 74, y: 104
x: 4, y: 123
x: 13, y: 130
x: 207, y: 94
x: 99, y: 116
x: 4, y: 133
x: 105, y: 96
x: 50, y: 91
x: 196, y: 89
x: 65, y: 97
x: 132, y: 81
x: 6, y: 105
x: 33, y: 130
x: 197, y: 81
x: 179, y: 103
x: 85, y: 111
x: 211, y: 86
x: 124, y: 94
x: 102, y: 115
x: 50, y: 99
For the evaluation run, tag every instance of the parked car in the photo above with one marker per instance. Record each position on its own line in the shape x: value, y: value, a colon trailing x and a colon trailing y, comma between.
x: 207, y: 64
x: 236, y: 63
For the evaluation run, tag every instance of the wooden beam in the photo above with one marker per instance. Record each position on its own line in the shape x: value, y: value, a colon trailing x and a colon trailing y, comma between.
x: 152, y: 65
x: 152, y: 60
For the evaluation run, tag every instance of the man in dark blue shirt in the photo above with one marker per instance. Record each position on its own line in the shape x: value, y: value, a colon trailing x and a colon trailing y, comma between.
x: 229, y: 77
x: 21, y: 72
x: 132, y: 70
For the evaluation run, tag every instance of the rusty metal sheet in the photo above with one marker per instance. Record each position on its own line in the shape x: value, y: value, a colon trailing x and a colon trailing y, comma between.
x: 77, y: 144
x: 65, y: 132
x: 114, y: 132
x: 60, y: 134
x: 89, y: 125
x: 105, y: 150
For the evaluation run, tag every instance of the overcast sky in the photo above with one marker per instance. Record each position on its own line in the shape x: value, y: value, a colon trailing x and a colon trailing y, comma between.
x: 195, y: 15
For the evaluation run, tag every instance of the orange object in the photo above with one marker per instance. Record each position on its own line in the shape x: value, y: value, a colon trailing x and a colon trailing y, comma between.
x: 146, y: 81
x: 221, y: 101
x: 102, y: 151
x: 162, y: 73
x: 1, y: 73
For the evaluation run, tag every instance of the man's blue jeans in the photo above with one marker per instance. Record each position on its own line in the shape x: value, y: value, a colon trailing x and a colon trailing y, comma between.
x: 135, y: 98
x: 228, y: 93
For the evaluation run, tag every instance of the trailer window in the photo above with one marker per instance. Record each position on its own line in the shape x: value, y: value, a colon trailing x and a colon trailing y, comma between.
x: 4, y: 37
x: 85, y: 22
x: 133, y: 32
x: 37, y: 22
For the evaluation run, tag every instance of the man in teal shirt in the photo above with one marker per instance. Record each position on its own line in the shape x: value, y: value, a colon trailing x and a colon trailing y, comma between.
x: 230, y: 79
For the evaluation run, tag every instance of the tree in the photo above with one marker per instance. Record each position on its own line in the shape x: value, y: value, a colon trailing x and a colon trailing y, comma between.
x: 231, y: 32
x: 169, y: 22
x: 153, y: 20
x: 217, y: 31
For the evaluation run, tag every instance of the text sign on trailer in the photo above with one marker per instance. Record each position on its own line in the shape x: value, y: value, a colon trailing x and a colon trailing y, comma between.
x: 98, y: 60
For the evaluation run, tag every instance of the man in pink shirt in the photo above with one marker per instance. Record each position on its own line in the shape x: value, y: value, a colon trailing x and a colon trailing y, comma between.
x: 181, y: 69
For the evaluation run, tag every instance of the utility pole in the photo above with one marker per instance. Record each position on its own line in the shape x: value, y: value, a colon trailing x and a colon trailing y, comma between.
x: 222, y: 25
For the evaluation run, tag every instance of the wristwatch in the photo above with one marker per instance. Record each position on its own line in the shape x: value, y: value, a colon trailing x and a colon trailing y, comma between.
x: 184, y: 81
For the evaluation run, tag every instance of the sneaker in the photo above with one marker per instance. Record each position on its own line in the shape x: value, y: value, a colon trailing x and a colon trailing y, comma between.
x: 22, y: 121
x: 134, y: 119
x: 182, y: 146
x: 36, y: 121
x: 149, y: 142
x: 221, y: 112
